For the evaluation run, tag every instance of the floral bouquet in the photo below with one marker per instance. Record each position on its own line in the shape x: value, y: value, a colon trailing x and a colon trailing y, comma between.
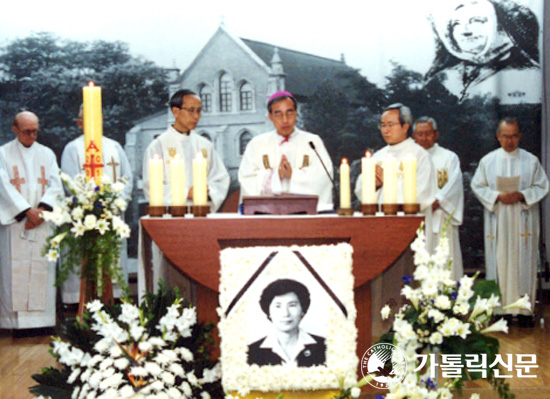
x: 157, y: 350
x: 448, y: 317
x: 88, y: 228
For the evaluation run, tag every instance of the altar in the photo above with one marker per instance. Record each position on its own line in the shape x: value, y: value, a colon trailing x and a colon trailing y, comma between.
x: 192, y: 245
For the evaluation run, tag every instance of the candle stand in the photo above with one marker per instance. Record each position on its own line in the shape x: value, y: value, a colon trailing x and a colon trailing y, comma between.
x: 200, y: 210
x: 411, y: 209
x: 369, y: 209
x: 345, y: 211
x: 156, y: 211
x: 390, y: 209
x: 178, y: 211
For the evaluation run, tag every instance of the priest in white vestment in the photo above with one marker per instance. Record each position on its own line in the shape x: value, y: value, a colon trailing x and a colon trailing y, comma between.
x: 116, y: 166
x: 29, y: 184
x: 510, y: 183
x: 396, y: 122
x: 287, y: 159
x: 181, y: 141
x: 449, y: 199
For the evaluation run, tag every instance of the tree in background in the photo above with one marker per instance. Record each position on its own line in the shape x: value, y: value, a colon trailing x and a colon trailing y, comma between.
x: 45, y: 74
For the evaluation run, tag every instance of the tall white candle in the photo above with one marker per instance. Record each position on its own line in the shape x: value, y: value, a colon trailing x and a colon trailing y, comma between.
x: 200, y: 190
x: 156, y: 178
x: 409, y: 180
x: 389, y: 188
x: 368, y: 182
x: 177, y: 181
x: 345, y: 188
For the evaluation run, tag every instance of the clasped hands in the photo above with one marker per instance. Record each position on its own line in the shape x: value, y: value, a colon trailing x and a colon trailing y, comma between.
x: 510, y: 198
x: 285, y: 170
x: 34, y: 218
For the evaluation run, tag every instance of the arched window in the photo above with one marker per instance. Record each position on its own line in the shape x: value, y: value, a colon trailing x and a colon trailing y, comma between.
x: 206, y: 136
x: 205, y: 93
x: 226, y: 88
x: 245, y: 95
x: 244, y: 138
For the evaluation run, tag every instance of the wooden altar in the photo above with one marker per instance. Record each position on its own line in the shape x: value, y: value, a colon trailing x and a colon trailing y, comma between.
x: 193, y: 245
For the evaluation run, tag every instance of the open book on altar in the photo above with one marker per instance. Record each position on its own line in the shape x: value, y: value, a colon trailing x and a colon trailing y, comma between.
x: 280, y: 204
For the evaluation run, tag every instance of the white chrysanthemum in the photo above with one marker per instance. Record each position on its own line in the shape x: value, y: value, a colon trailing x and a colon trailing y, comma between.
x: 206, y: 395
x: 121, y: 363
x: 153, y: 369
x: 117, y: 187
x: 121, y: 204
x: 77, y: 213
x: 461, y: 308
x: 443, y: 302
x: 436, y: 315
x: 90, y: 222
x: 177, y: 369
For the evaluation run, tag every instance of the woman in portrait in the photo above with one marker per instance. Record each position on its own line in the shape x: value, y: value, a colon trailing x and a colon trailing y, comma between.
x: 476, y: 39
x: 285, y: 302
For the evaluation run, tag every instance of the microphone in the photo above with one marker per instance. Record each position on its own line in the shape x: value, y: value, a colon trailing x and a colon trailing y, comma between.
x: 322, y: 163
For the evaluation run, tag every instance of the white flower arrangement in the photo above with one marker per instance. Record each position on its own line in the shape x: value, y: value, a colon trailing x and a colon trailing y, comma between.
x: 333, y: 263
x: 88, y: 228
x: 444, y: 316
x: 157, y: 350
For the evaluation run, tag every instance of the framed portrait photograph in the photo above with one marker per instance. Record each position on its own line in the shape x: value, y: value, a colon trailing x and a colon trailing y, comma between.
x: 287, y: 318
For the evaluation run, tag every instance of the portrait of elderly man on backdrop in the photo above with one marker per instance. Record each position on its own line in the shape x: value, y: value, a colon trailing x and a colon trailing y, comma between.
x: 476, y: 40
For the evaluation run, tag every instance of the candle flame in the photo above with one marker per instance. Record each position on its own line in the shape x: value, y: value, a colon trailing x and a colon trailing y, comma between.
x: 344, y: 161
x: 368, y: 154
x: 91, y: 84
x: 156, y: 157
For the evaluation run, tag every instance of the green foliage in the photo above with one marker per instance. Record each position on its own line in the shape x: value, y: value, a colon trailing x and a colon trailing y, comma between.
x: 45, y: 74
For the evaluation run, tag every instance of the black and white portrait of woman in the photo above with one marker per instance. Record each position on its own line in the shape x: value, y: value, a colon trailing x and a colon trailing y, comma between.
x: 285, y: 302
x: 477, y: 40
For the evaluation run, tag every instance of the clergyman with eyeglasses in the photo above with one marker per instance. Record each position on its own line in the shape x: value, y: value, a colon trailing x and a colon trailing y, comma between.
x: 29, y: 185
x: 181, y: 141
x: 287, y: 159
x: 395, y: 126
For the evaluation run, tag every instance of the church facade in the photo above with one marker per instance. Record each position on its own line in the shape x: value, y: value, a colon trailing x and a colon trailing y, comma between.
x: 234, y: 78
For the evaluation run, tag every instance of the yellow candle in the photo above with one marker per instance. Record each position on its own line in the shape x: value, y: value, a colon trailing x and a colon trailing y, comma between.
x: 409, y: 180
x: 389, y: 189
x: 368, y: 182
x: 156, y: 181
x: 345, y: 190
x: 200, y: 191
x: 93, y: 131
x: 177, y: 181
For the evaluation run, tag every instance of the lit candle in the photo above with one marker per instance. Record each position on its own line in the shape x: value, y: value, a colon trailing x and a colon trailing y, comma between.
x: 409, y: 180
x: 345, y: 190
x: 156, y: 178
x: 389, y: 189
x: 368, y: 176
x: 93, y: 131
x: 200, y: 191
x: 177, y: 181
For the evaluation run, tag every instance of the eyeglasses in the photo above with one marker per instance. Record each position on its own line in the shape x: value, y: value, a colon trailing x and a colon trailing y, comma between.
x: 30, y: 132
x: 279, y: 114
x: 388, y: 125
x: 197, y: 111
